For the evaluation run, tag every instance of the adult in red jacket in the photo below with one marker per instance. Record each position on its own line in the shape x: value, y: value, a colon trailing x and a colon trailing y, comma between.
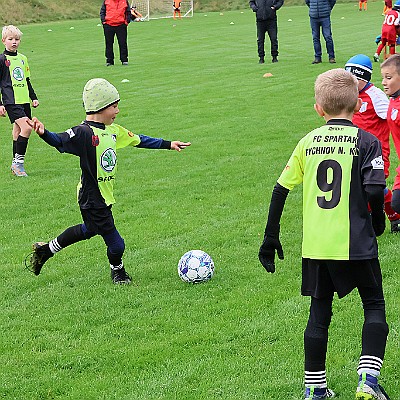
x: 115, y: 16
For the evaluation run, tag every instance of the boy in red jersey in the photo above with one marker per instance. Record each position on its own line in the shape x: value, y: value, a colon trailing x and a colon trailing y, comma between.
x: 390, y: 70
x: 372, y: 118
x: 389, y: 31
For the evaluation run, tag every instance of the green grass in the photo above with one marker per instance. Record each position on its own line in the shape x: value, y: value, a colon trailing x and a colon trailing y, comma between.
x: 69, y: 333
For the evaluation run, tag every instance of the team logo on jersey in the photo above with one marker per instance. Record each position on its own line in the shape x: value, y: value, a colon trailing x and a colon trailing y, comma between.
x: 394, y: 113
x: 363, y: 107
x: 7, y: 63
x: 114, y: 137
x: 108, y: 160
x: 377, y: 163
x: 18, y: 74
x: 95, y: 140
x: 130, y: 134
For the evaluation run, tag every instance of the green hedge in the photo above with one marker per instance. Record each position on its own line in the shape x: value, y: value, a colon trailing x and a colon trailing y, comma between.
x: 31, y: 11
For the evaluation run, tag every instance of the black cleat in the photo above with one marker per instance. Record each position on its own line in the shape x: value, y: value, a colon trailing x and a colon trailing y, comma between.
x: 41, y: 253
x: 395, y: 226
x: 120, y: 276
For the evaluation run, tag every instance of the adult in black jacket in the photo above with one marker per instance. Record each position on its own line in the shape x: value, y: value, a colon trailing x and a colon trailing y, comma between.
x: 266, y: 21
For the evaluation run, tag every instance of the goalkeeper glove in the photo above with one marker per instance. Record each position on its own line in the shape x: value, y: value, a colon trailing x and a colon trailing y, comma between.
x: 378, y: 222
x: 266, y: 255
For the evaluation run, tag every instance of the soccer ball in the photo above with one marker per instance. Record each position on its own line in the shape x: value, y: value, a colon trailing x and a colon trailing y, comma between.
x: 195, y: 266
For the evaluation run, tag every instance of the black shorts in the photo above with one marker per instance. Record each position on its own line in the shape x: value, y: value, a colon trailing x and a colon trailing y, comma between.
x: 321, y: 278
x: 16, y: 111
x: 99, y: 221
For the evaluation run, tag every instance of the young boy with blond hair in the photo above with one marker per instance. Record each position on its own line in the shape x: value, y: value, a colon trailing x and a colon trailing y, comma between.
x: 16, y: 94
x: 95, y: 141
x: 341, y: 169
x: 390, y: 70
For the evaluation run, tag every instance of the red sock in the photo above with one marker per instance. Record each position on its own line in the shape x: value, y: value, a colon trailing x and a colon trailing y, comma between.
x: 391, y: 214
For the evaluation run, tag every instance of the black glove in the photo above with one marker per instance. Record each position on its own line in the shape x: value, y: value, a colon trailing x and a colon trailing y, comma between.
x: 266, y: 255
x: 378, y: 222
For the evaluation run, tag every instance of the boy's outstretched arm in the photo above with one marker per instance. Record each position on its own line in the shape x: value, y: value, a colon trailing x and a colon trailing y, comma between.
x: 49, y: 137
x: 178, y: 146
x: 37, y: 126
x: 271, y: 242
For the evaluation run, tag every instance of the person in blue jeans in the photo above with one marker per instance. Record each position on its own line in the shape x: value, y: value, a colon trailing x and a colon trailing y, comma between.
x: 320, y: 19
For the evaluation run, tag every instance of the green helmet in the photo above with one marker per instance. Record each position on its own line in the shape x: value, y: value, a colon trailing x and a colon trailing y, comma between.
x: 98, y: 94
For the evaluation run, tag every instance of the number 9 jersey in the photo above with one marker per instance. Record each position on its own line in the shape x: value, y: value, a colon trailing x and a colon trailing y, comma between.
x: 334, y: 163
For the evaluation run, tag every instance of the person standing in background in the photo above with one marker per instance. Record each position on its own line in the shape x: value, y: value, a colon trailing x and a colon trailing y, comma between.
x: 267, y: 21
x: 320, y: 18
x: 115, y: 16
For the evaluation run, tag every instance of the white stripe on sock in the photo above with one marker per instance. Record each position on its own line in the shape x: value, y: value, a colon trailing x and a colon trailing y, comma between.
x: 54, y: 246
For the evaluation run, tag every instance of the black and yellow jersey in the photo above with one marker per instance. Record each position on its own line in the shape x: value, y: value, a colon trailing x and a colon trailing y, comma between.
x: 15, y: 79
x: 334, y: 163
x: 96, y: 145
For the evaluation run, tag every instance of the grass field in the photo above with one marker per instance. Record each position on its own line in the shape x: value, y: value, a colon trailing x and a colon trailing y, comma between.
x: 71, y: 334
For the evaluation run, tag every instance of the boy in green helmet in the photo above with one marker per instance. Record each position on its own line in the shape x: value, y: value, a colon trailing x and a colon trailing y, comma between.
x: 95, y: 141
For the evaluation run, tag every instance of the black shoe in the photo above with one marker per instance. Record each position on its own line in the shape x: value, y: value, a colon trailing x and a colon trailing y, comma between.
x: 41, y: 253
x: 395, y: 226
x: 109, y: 64
x: 317, y: 61
x: 261, y: 60
x: 120, y: 277
x: 274, y: 59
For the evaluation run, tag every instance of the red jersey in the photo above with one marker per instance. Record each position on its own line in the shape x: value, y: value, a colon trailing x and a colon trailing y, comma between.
x: 390, y: 23
x: 393, y: 119
x: 372, y: 118
x: 115, y: 12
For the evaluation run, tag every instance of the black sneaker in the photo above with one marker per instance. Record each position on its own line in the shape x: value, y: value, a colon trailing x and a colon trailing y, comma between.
x: 41, y: 253
x: 120, y: 276
x: 261, y: 60
x: 317, y: 61
x: 395, y: 226
x: 274, y: 59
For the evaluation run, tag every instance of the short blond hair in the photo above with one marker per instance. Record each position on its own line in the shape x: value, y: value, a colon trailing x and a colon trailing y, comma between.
x: 10, y: 30
x: 336, y: 91
x: 393, y: 60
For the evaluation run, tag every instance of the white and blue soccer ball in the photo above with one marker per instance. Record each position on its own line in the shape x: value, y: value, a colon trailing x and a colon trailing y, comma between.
x: 195, y: 266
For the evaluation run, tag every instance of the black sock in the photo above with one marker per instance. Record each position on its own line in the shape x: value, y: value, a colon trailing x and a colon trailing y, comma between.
x: 20, y: 149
